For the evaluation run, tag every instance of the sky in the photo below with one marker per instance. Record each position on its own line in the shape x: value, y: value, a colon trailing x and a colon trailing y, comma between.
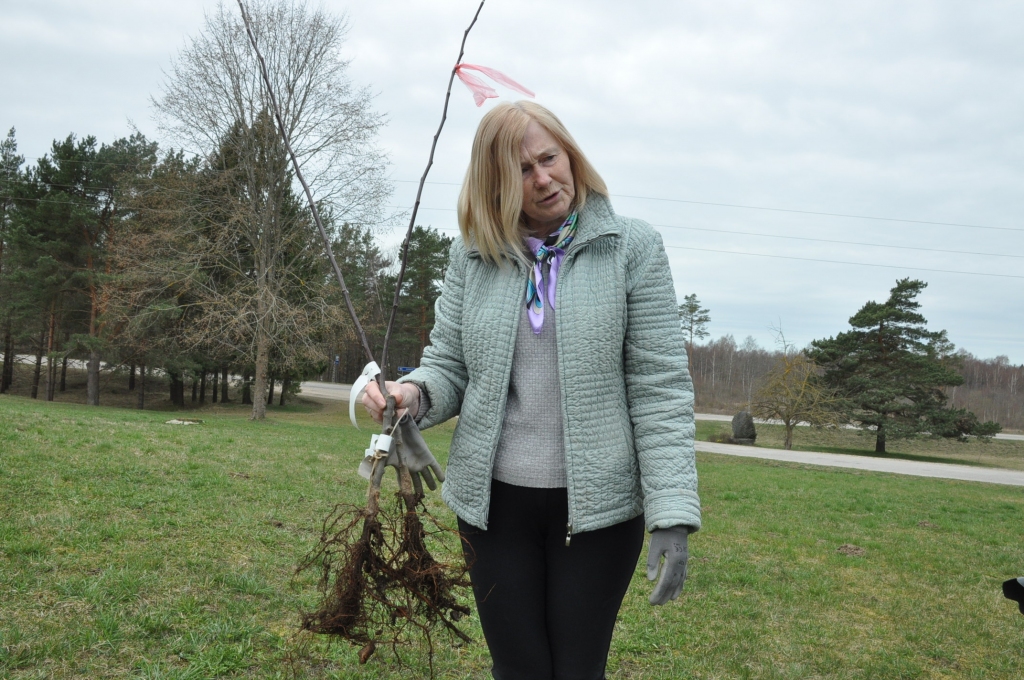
x: 757, y: 137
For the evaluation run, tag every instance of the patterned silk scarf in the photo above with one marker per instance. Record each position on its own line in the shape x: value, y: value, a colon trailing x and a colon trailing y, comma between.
x: 552, y: 249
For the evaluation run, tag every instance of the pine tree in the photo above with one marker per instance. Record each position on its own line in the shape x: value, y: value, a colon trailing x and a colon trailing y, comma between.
x: 428, y: 261
x: 10, y: 184
x: 891, y: 369
x: 694, y: 319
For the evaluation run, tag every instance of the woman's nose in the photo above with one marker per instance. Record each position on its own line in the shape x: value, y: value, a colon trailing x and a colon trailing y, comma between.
x: 541, y: 178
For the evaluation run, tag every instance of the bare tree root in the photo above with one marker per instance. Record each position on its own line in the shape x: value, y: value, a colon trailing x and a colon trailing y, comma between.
x: 380, y: 583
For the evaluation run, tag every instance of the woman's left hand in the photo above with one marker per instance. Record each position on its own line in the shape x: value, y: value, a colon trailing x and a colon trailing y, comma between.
x: 672, y: 544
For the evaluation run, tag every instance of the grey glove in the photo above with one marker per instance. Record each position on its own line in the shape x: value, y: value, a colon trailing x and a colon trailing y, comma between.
x: 672, y: 543
x: 410, y: 449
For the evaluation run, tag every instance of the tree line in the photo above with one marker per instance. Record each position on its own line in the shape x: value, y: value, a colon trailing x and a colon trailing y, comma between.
x: 205, y: 265
x: 888, y: 373
x: 119, y: 255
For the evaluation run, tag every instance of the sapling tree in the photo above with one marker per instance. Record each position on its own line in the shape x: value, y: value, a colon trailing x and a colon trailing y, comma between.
x: 792, y: 392
x: 381, y: 579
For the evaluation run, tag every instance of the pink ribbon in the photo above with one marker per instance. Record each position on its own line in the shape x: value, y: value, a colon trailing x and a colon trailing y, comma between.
x: 481, y: 90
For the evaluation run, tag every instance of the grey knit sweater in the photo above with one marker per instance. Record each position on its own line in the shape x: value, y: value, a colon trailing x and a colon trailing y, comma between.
x: 530, y: 449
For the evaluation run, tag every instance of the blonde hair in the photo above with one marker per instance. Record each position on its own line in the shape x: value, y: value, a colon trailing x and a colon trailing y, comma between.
x: 491, y: 201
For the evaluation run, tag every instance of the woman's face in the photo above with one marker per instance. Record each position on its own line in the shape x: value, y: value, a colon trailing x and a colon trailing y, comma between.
x: 548, y: 188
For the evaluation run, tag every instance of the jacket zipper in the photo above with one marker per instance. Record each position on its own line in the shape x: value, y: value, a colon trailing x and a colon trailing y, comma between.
x: 572, y: 252
x: 487, y: 509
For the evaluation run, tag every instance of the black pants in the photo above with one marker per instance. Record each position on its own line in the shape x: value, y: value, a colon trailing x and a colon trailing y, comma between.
x: 547, y: 610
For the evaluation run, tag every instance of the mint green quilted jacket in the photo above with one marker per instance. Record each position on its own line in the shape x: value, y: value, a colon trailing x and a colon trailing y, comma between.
x: 627, y: 397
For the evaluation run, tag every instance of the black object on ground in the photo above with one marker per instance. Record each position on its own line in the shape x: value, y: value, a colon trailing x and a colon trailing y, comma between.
x: 1014, y: 590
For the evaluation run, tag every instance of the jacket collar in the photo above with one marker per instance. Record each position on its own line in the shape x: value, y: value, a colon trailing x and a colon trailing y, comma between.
x: 596, y: 220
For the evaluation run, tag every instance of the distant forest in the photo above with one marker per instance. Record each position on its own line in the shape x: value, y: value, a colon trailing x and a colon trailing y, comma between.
x: 725, y: 376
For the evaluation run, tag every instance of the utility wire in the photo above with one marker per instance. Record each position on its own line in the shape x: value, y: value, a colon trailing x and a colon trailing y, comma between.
x: 803, y: 259
x: 705, y: 229
x: 788, y: 210
x: 795, y: 238
x: 859, y: 264
x: 846, y: 243
x: 719, y: 205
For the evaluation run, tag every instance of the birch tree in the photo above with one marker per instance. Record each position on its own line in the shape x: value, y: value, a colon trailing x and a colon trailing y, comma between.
x: 215, y: 104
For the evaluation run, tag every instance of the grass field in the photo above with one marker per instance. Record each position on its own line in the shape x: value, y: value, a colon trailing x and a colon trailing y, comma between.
x: 133, y: 548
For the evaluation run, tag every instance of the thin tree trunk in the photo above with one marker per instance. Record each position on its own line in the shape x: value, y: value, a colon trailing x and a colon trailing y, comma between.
x: 880, y: 440
x: 141, y: 402
x: 224, y: 386
x: 195, y: 390
x: 7, y: 374
x: 177, y: 389
x: 202, y: 389
x: 92, y: 389
x: 39, y: 365
x: 64, y: 374
x: 259, y: 388
x: 51, y: 378
x: 215, y: 387
x: 284, y: 388
x: 789, y: 436
x: 246, y: 388
x: 131, y: 378
x: 51, y: 368
x: 423, y: 333
x: 270, y: 389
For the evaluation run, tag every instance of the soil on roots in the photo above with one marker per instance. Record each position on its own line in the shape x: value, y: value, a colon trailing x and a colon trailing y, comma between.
x: 380, y: 582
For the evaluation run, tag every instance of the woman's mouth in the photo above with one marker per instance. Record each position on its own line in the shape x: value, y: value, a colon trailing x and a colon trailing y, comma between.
x: 551, y: 199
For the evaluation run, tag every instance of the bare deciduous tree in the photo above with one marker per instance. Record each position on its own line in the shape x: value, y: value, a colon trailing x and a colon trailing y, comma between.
x: 215, y: 104
x: 791, y: 393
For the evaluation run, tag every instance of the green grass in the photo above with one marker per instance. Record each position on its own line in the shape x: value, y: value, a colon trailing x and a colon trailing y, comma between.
x: 132, y: 548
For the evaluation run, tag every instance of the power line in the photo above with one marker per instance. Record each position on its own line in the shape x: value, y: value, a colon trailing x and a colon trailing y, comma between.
x: 803, y: 259
x: 708, y: 203
x: 795, y: 238
x: 83, y: 205
x: 825, y: 240
x: 786, y: 210
x: 825, y: 214
x: 858, y: 264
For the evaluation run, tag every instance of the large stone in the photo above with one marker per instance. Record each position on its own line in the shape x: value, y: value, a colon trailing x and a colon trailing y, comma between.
x: 743, y: 431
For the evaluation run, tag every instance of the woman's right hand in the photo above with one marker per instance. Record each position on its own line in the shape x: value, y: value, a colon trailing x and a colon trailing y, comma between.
x: 407, y: 397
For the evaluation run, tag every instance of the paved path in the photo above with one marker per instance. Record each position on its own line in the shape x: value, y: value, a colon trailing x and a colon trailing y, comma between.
x: 325, y: 390
x: 894, y: 465
x: 903, y: 467
x: 728, y: 419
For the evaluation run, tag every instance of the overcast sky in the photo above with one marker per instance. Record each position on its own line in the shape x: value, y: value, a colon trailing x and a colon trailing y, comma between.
x: 909, y: 110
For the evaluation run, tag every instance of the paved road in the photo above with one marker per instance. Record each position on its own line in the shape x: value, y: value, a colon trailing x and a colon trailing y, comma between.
x: 728, y: 419
x: 902, y: 467
x: 325, y: 390
x: 894, y: 465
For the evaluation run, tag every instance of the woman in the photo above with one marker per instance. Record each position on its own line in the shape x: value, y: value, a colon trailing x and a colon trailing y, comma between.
x: 557, y: 343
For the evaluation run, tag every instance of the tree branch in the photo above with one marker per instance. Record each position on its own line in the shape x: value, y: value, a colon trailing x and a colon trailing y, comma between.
x: 419, y: 192
x: 309, y: 194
